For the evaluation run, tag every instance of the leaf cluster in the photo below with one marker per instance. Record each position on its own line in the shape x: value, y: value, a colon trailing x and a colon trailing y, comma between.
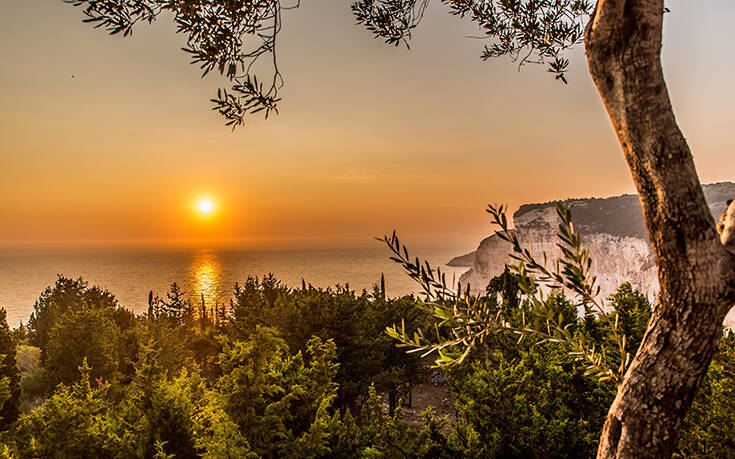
x: 464, y: 321
x: 223, y: 36
x: 529, y: 31
x: 392, y: 20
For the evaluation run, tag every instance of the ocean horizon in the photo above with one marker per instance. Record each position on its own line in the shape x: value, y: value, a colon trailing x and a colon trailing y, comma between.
x: 209, y: 273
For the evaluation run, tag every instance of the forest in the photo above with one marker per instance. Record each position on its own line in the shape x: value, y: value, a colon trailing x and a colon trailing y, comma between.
x: 311, y: 372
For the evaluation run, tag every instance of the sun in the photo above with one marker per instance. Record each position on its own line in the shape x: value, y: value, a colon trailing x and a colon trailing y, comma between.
x: 205, y: 206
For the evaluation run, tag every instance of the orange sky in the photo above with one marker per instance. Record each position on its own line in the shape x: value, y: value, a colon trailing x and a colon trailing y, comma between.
x: 369, y: 137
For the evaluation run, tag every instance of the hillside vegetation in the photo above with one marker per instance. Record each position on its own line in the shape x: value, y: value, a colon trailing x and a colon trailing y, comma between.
x: 307, y: 372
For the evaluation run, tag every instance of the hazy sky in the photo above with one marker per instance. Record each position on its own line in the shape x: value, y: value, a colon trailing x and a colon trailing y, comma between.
x: 110, y: 139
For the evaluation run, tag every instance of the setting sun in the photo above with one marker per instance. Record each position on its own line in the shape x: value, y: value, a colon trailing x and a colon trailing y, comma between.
x: 205, y: 206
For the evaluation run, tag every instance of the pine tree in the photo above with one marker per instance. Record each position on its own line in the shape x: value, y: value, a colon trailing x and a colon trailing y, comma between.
x: 177, y: 306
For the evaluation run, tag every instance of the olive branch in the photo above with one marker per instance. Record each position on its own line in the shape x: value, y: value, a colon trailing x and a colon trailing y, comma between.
x: 464, y: 320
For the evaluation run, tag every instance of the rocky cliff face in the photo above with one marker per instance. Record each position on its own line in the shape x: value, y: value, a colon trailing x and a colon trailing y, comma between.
x: 612, y: 229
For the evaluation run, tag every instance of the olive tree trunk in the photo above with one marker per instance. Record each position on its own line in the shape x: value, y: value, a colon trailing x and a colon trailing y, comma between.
x: 696, y: 271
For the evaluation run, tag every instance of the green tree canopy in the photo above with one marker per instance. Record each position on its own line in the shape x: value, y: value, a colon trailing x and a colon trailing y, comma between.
x: 87, y: 335
x: 66, y: 295
x: 9, y: 374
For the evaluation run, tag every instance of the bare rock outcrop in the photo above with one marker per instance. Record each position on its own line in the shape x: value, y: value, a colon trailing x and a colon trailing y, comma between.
x: 612, y: 229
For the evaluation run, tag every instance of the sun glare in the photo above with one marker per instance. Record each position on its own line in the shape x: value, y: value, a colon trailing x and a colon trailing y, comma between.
x: 205, y: 206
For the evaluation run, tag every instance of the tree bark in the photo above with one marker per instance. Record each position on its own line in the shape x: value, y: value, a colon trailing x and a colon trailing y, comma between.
x: 728, y: 229
x: 696, y: 272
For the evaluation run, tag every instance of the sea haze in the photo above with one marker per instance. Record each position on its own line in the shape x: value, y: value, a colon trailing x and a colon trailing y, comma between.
x: 131, y: 274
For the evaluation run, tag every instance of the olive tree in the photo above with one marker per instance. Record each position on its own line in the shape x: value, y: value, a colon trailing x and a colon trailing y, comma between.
x: 622, y: 39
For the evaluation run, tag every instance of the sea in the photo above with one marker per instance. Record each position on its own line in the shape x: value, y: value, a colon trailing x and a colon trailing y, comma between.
x: 207, y: 274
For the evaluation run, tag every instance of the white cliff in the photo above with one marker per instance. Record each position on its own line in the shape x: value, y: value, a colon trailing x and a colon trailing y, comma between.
x: 612, y: 229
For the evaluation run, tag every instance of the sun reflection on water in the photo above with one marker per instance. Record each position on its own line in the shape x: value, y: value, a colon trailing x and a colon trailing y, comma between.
x: 206, y: 280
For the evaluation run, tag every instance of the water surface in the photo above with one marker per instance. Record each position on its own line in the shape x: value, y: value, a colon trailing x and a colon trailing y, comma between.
x: 208, y: 273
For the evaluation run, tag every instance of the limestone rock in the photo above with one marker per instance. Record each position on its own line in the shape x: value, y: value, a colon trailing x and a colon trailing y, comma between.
x: 612, y: 229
